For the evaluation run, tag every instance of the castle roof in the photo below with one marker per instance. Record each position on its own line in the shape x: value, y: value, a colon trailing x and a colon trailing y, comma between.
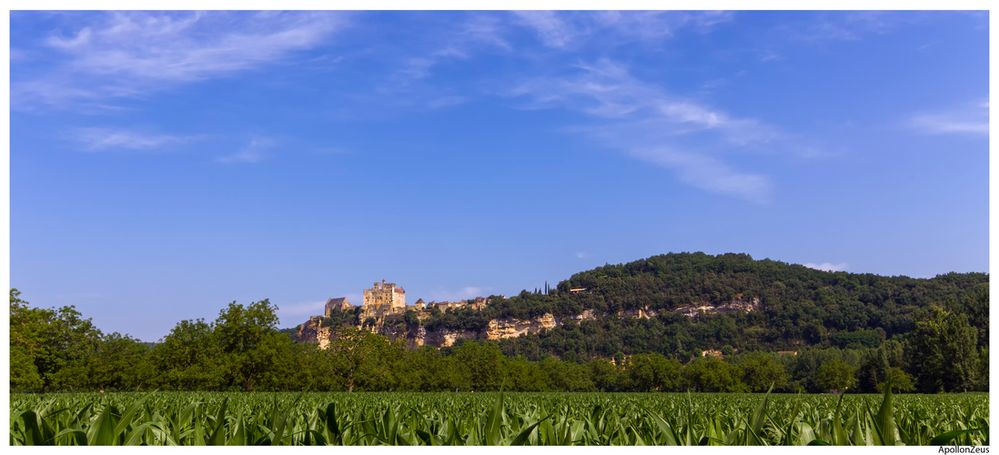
x: 385, y: 285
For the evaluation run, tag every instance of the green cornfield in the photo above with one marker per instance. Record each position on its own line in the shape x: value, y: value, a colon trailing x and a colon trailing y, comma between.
x: 232, y: 418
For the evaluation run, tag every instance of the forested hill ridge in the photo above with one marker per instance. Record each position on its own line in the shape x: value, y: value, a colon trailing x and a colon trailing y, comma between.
x: 674, y: 322
x: 686, y: 304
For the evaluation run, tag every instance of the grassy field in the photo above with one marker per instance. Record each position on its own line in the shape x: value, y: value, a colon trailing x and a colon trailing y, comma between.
x: 203, y: 418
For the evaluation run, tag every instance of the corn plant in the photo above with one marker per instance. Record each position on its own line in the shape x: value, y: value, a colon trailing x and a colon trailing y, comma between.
x: 224, y: 418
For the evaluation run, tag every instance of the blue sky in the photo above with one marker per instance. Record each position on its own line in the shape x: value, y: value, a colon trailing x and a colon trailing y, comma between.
x: 165, y: 164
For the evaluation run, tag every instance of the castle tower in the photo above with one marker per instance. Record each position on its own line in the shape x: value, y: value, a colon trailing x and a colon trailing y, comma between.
x: 383, y: 298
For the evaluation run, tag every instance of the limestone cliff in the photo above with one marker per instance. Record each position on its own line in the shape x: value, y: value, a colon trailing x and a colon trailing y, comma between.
x: 736, y: 305
x: 499, y: 329
x: 496, y: 329
x: 416, y: 333
x: 314, y: 331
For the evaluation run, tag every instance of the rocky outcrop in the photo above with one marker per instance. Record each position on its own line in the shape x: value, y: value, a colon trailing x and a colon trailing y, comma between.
x: 323, y: 336
x: 586, y: 315
x: 418, y: 339
x: 500, y: 329
x: 736, y: 305
x: 314, y: 331
x: 641, y: 313
x: 309, y: 330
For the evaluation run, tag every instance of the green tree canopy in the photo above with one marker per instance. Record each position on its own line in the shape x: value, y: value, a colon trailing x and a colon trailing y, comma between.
x: 836, y: 375
x: 761, y: 370
x: 711, y: 374
x: 943, y: 349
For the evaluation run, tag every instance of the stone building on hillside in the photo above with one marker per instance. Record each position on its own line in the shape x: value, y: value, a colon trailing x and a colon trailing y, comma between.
x: 337, y: 304
x: 381, y: 299
x: 478, y: 304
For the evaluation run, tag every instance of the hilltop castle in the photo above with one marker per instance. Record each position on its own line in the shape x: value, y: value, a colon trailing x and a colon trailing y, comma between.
x: 387, y: 301
x: 382, y: 299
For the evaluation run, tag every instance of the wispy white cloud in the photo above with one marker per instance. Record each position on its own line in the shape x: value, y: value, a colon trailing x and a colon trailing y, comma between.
x: 842, y: 26
x: 828, y: 266
x: 709, y: 173
x: 444, y: 46
x: 656, y: 25
x: 483, y: 29
x: 942, y: 124
x: 607, y: 90
x: 549, y: 26
x: 130, y: 54
x: 77, y: 41
x: 255, y: 151
x: 101, y: 139
x: 476, y: 32
x: 410, y: 84
x: 647, y: 123
x: 768, y: 55
x: 972, y: 119
x: 561, y: 30
x: 420, y: 67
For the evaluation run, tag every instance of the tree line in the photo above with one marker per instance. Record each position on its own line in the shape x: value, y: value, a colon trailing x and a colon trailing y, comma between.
x: 55, y: 350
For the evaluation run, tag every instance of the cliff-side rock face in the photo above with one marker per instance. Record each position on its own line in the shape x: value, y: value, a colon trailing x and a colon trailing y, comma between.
x: 736, y: 305
x: 415, y: 336
x: 512, y: 328
x: 323, y: 336
x: 313, y: 331
x: 586, y: 315
x: 309, y: 330
x: 418, y: 339
x: 640, y: 313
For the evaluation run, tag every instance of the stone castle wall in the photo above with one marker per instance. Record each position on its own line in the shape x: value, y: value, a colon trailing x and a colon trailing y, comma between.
x: 383, y: 298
